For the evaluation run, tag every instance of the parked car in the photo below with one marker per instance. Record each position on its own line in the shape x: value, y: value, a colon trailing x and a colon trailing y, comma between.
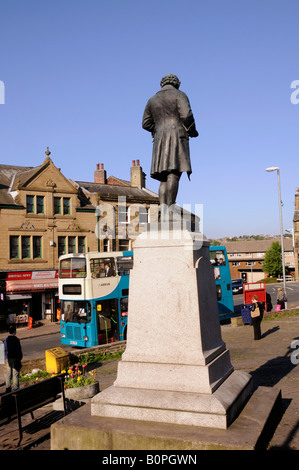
x: 237, y: 286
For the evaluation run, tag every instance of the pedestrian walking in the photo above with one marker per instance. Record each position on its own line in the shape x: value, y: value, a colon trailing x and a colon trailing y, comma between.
x: 13, y: 357
x: 256, y: 316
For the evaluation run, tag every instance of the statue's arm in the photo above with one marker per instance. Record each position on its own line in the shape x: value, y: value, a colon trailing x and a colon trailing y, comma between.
x: 186, y: 115
x: 147, y: 120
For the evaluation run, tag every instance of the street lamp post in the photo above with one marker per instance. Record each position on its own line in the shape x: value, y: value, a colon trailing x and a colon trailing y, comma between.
x: 276, y: 168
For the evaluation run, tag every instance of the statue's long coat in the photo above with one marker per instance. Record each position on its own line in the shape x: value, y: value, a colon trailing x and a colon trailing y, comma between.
x: 169, y: 118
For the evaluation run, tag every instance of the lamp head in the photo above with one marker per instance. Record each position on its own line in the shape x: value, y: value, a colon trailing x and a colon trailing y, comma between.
x: 272, y: 168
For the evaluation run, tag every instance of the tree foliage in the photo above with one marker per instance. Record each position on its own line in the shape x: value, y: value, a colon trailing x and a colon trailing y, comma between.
x: 272, y: 263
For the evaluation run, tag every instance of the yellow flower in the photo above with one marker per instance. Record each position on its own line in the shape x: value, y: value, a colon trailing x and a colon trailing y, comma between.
x: 79, y: 379
x: 63, y: 372
x: 70, y: 371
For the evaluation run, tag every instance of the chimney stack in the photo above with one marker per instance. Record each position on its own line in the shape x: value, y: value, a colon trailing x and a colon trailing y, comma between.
x: 137, y: 175
x: 100, y: 174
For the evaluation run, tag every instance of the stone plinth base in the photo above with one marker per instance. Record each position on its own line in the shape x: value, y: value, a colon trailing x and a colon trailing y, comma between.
x: 217, y: 410
x: 253, y: 429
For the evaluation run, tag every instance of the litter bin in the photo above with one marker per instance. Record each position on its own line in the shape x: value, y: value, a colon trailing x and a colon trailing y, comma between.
x: 246, y: 314
x: 56, y: 360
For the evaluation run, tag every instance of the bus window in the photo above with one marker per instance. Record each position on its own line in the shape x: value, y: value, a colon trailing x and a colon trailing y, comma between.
x: 124, y: 265
x: 72, y: 267
x: 219, y: 292
x: 217, y: 273
x: 217, y: 258
x: 124, y: 306
x: 106, y: 308
x: 76, y: 311
x: 102, y: 267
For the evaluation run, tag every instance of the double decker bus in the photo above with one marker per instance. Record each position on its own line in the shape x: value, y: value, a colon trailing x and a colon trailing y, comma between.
x: 219, y: 261
x: 93, y: 290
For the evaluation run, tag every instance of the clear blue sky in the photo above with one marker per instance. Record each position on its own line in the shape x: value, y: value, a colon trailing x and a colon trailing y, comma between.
x: 78, y: 74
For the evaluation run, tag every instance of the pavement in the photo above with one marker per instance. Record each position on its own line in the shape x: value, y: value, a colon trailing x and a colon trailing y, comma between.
x: 44, y: 327
x: 271, y: 361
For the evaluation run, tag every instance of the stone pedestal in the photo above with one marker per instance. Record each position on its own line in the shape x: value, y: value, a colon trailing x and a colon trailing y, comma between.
x: 176, y: 368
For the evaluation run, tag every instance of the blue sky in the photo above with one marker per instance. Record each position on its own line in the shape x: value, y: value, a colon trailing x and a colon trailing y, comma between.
x: 77, y: 77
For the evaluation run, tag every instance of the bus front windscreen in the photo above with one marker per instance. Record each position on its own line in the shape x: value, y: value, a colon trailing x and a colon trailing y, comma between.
x: 76, y: 311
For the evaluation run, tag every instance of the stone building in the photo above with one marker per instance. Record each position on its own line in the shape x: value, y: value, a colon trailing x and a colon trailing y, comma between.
x: 246, y: 258
x: 43, y: 215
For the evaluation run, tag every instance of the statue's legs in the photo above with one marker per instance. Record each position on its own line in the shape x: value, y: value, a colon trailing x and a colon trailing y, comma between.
x: 168, y: 189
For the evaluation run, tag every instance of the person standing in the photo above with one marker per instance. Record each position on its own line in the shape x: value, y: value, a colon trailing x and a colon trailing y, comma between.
x: 281, y: 298
x: 108, y: 270
x: 256, y: 317
x: 13, y: 356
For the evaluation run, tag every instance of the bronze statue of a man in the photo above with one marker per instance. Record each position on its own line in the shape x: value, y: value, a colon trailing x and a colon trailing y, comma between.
x: 169, y: 118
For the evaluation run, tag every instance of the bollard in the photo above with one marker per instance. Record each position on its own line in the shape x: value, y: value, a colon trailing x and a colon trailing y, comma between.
x: 29, y: 327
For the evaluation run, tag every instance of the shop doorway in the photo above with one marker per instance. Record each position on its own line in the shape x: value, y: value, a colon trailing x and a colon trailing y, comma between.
x: 36, y: 310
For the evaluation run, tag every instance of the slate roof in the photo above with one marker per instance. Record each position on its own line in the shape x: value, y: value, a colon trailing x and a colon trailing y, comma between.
x: 109, y: 190
x: 11, y: 175
x: 256, y: 246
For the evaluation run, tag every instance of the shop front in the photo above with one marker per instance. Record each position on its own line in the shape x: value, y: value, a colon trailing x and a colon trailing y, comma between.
x: 31, y: 294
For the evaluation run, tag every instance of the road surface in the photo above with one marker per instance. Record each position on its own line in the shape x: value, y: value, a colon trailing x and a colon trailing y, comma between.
x: 34, y: 348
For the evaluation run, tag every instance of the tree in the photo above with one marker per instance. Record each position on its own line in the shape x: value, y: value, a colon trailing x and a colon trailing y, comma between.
x: 272, y: 263
x: 214, y: 242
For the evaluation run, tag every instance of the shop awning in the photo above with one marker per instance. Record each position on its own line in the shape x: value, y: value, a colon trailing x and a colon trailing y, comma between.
x: 32, y: 281
x: 31, y: 285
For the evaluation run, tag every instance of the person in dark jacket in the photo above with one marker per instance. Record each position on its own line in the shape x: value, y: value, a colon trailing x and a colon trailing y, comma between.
x: 13, y: 356
x: 257, y: 310
x: 169, y: 118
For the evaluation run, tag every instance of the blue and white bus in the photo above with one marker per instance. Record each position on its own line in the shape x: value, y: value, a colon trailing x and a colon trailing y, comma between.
x: 219, y: 261
x: 94, y: 290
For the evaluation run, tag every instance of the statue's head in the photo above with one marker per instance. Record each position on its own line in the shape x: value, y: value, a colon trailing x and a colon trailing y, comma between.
x: 170, y: 79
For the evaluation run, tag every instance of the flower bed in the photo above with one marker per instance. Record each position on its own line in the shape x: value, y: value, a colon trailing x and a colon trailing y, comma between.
x: 81, y: 393
x: 80, y: 384
x: 75, y: 377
